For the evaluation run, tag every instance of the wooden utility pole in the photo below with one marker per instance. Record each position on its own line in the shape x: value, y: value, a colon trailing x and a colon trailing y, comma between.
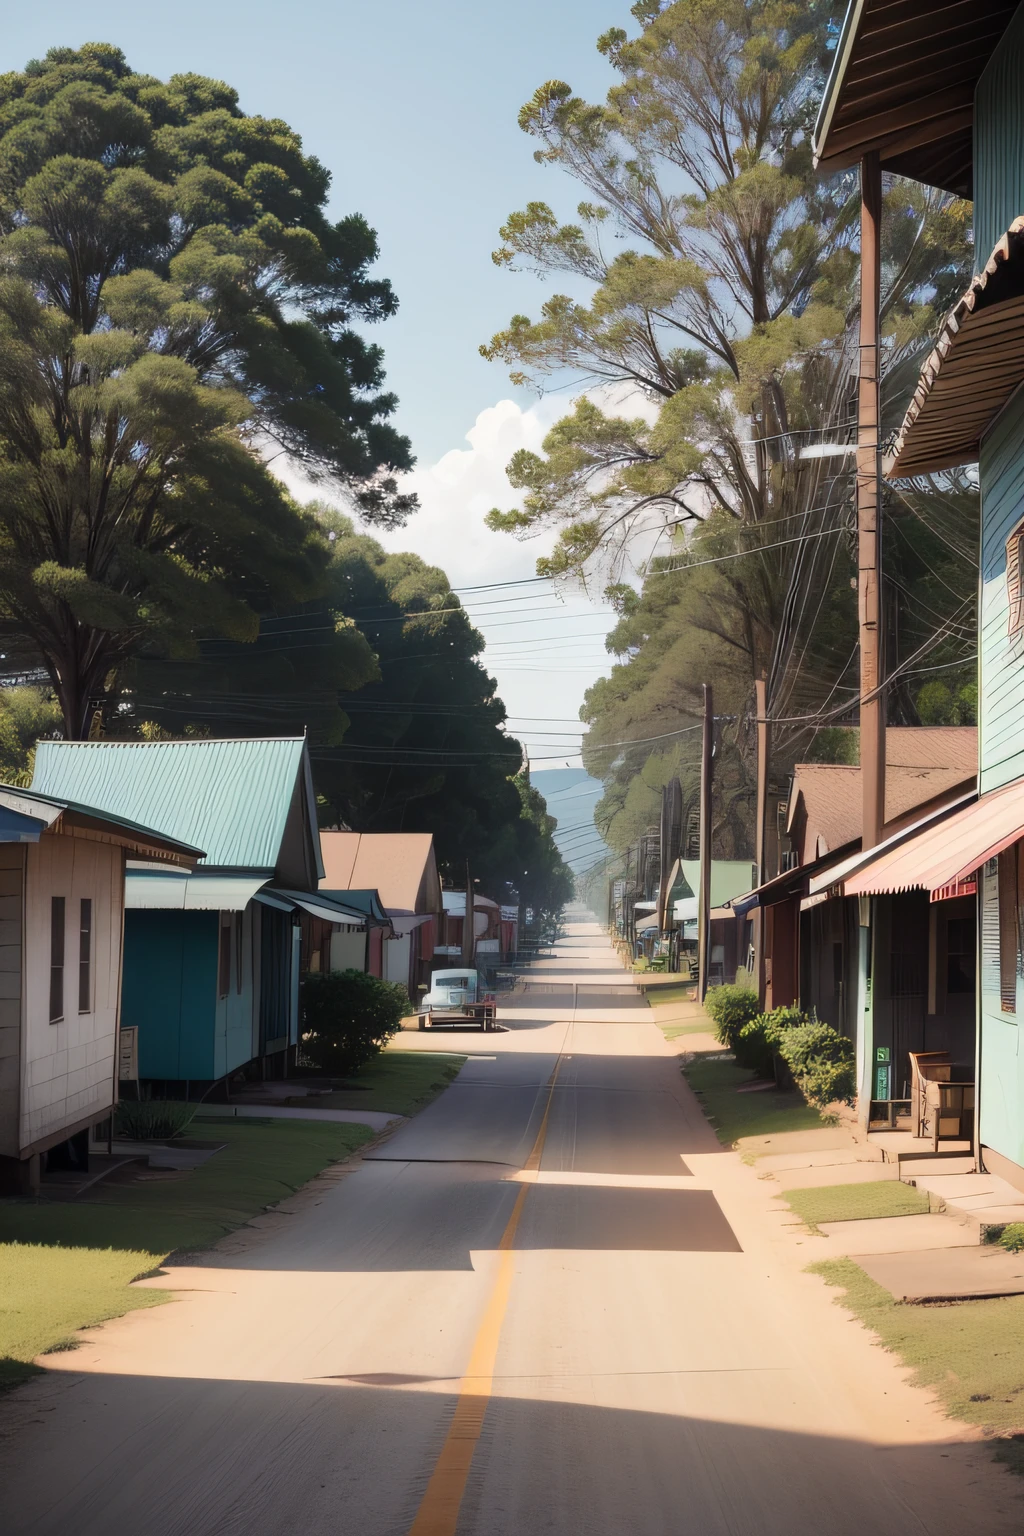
x: 869, y: 580
x: 468, y: 932
x: 763, y: 757
x: 704, y: 894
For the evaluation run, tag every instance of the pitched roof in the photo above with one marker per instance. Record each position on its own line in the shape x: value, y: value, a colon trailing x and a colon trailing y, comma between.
x: 729, y: 878
x: 399, y: 865
x: 921, y: 762
x: 903, y: 84
x: 232, y: 798
x: 27, y: 813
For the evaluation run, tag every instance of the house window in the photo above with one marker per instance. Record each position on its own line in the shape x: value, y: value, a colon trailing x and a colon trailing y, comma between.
x: 224, y: 956
x: 1008, y: 943
x: 56, y: 959
x: 960, y: 956
x: 85, y: 956
x: 1015, y: 579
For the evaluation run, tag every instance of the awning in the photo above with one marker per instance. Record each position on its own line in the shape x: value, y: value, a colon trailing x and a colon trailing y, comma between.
x: 977, y: 364
x: 647, y: 922
x: 173, y: 891
x: 366, y: 901
x: 834, y: 880
x: 788, y: 884
x: 685, y: 909
x: 944, y: 854
x: 317, y: 904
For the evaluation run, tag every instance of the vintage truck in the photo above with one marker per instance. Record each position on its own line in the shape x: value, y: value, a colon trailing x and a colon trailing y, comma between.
x: 457, y: 1000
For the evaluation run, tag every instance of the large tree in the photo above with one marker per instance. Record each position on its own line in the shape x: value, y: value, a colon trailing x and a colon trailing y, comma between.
x: 175, y: 305
x: 721, y: 334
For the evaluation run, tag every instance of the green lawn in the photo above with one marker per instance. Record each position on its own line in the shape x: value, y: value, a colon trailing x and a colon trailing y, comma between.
x: 397, y: 1082
x: 971, y: 1353
x: 67, y: 1265
x: 673, y: 1031
x: 856, y: 1202
x: 663, y: 997
x: 746, y: 1114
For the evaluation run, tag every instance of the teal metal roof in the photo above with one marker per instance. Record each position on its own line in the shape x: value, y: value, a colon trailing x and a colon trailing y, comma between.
x: 729, y: 878
x: 230, y: 798
x: 17, y: 801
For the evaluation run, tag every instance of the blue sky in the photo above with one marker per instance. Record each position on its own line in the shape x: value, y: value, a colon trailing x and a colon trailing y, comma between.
x: 413, y: 108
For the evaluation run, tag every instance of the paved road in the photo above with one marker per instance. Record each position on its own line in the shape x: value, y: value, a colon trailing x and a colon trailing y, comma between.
x: 551, y: 1303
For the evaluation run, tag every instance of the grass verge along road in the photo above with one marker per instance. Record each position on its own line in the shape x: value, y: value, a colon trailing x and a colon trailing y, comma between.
x: 66, y: 1265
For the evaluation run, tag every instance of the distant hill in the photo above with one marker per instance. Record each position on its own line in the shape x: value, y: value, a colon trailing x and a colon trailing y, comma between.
x: 571, y: 796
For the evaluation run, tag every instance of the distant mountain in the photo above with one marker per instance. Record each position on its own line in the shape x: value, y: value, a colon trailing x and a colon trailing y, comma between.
x: 571, y: 796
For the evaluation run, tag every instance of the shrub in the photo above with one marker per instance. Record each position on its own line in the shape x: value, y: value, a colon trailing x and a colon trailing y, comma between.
x: 152, y: 1119
x: 821, y: 1061
x: 347, y: 1016
x: 730, y: 1007
x: 1012, y: 1237
x: 758, y: 1041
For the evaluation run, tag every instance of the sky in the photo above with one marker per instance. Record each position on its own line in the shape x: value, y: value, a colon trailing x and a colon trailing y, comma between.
x: 413, y: 108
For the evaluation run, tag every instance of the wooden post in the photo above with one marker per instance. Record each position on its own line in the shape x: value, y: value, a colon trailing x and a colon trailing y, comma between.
x: 704, y: 894
x: 468, y: 933
x: 763, y: 753
x: 872, y: 698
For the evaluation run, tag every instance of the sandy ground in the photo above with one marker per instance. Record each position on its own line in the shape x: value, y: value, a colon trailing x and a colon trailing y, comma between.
x: 612, y: 1308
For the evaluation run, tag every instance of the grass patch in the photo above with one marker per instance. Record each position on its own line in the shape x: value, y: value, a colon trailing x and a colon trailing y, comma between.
x: 673, y: 1031
x: 971, y: 1353
x: 747, y: 1114
x: 856, y: 1202
x: 664, y: 997
x: 68, y: 1265
x: 395, y: 1082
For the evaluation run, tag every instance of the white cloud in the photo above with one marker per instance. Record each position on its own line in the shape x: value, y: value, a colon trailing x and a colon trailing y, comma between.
x: 543, y: 651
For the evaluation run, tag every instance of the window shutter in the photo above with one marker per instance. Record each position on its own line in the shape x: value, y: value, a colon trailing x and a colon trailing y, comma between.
x: 989, y: 929
x: 1014, y: 581
x: 1008, y: 930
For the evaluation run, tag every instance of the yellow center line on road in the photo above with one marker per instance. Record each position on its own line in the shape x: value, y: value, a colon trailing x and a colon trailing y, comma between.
x: 438, y: 1513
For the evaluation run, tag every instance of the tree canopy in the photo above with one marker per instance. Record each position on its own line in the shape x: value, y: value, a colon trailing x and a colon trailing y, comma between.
x: 718, y: 349
x: 174, y: 302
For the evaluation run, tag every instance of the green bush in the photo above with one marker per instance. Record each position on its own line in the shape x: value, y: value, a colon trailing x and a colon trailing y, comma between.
x: 152, y: 1119
x: 1012, y: 1237
x: 821, y: 1061
x: 758, y: 1043
x: 730, y: 1007
x: 347, y: 1016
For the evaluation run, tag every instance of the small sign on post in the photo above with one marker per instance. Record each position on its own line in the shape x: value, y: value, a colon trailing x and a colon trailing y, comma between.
x: 882, y: 1073
x: 128, y: 1054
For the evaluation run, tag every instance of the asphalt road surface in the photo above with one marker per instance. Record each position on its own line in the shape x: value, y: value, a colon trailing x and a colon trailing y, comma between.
x: 551, y: 1303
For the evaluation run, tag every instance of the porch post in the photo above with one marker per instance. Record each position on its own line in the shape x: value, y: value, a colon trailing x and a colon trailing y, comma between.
x: 872, y: 698
x: 763, y: 750
x: 704, y: 894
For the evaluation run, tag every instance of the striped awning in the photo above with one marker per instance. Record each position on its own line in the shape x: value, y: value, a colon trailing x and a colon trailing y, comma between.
x: 941, y: 857
x: 977, y: 364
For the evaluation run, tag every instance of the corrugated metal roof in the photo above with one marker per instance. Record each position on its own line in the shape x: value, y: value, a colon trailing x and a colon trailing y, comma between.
x: 977, y: 363
x: 729, y: 878
x: 320, y: 905
x: 146, y: 842
x: 941, y: 854
x: 229, y: 797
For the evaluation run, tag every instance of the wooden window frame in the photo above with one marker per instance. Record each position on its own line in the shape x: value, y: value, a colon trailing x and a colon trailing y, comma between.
x: 1015, y: 580
x: 85, y: 932
x: 58, y: 927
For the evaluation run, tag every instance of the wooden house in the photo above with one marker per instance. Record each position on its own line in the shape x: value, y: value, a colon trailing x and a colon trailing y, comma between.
x: 402, y: 869
x: 212, y: 959
x: 62, y: 889
x: 938, y: 98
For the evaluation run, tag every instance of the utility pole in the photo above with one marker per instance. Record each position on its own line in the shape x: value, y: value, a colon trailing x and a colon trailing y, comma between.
x: 763, y: 757
x: 704, y: 894
x: 869, y: 580
x: 468, y: 933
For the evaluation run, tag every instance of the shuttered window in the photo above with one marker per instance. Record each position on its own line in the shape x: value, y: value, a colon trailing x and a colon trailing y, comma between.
x: 56, y: 959
x: 989, y: 929
x: 1015, y: 579
x: 85, y: 956
x: 1008, y: 946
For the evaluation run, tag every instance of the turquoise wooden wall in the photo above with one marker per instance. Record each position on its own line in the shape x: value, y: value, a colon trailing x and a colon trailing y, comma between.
x: 998, y: 137
x: 170, y: 991
x: 1001, y: 1079
x: 1001, y: 660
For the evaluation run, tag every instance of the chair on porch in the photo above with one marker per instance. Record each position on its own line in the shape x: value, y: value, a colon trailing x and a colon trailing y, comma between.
x: 925, y: 1067
x: 949, y: 1112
